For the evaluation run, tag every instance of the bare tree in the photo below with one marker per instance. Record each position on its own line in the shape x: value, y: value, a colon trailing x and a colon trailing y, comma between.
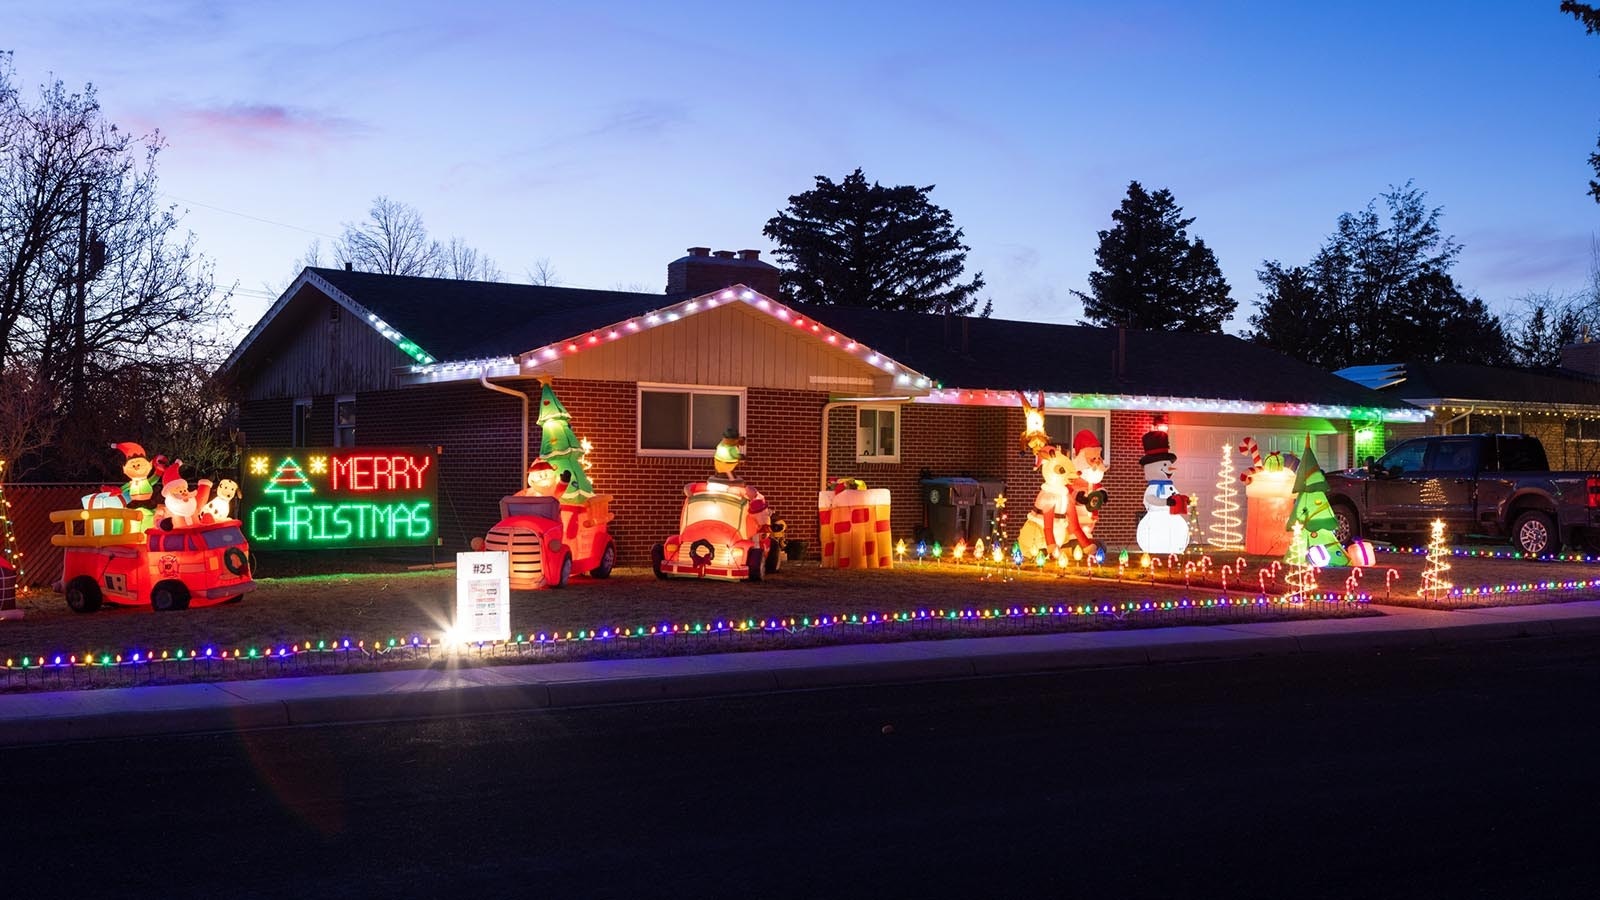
x: 543, y: 273
x: 465, y: 263
x: 28, y: 419
x: 94, y: 274
x: 392, y: 241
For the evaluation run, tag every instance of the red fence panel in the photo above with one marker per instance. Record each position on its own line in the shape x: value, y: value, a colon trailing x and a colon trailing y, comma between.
x: 31, y: 506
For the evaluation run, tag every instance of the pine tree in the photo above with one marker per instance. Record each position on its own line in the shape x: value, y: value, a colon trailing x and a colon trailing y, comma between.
x: 1224, y: 529
x: 1312, y: 511
x: 1151, y: 275
x: 559, y: 447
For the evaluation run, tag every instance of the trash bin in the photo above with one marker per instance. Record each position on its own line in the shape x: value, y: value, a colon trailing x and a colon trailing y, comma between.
x: 985, y: 512
x: 947, y: 509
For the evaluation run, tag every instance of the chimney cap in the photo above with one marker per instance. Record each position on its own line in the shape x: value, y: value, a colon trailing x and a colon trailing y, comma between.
x: 723, y: 254
x: 750, y: 254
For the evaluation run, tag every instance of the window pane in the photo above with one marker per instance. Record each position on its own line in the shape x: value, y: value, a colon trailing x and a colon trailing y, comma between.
x: 1453, y: 457
x: 713, y: 414
x: 1059, y: 428
x: 663, y: 421
x: 1406, y: 458
x: 1095, y: 426
x: 886, y: 443
x: 867, y: 433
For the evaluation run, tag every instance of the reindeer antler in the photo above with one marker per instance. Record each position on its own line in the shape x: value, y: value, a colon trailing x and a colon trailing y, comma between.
x: 1034, y: 437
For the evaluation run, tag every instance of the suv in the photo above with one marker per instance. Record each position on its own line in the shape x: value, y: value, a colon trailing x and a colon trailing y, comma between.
x: 109, y: 557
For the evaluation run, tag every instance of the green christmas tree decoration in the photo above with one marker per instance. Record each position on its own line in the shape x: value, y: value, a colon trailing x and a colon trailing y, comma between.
x: 289, y: 482
x: 559, y: 447
x: 1313, y: 512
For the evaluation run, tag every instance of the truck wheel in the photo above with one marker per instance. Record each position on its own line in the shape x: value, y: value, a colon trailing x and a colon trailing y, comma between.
x: 83, y: 595
x: 658, y: 555
x: 753, y: 561
x: 607, y: 560
x: 565, y: 573
x: 1347, y: 525
x: 1534, y: 533
x: 169, y: 596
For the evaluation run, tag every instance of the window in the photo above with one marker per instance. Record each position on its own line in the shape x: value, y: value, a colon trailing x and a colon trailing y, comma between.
x: 1063, y: 428
x: 300, y: 422
x: 682, y: 421
x: 344, y: 422
x: 1453, y: 457
x: 1582, y: 430
x: 1405, y: 459
x: 878, y: 434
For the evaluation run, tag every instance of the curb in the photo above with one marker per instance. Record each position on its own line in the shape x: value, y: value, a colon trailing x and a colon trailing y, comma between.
x: 47, y: 718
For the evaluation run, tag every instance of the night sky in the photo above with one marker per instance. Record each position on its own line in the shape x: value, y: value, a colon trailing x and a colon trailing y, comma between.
x: 608, y: 137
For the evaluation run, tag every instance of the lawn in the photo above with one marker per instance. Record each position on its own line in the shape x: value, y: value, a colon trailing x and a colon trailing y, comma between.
x: 401, y: 605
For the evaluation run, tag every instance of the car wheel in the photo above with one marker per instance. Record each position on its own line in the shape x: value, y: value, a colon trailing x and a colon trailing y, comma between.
x: 169, y: 596
x: 564, y: 575
x: 83, y: 595
x: 1534, y: 533
x: 607, y: 560
x: 1347, y: 524
x: 658, y: 555
x: 753, y: 562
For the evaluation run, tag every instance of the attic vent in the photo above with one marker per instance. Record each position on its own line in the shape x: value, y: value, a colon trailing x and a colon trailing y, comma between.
x: 333, y: 312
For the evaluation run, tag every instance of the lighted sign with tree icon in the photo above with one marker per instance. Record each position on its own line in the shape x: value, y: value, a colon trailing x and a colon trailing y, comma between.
x: 333, y: 498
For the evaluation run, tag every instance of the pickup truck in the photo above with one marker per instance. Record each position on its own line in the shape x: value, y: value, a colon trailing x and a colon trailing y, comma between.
x: 1490, y: 485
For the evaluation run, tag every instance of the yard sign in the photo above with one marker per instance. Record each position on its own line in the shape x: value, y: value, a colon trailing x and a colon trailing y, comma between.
x: 483, y: 596
x: 328, y: 498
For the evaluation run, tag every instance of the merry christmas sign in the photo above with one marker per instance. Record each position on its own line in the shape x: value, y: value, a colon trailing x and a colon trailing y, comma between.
x: 328, y: 498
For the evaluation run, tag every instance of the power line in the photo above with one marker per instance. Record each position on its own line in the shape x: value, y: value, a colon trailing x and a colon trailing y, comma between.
x: 248, y: 216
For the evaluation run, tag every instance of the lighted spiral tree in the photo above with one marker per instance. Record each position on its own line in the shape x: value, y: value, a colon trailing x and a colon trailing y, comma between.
x: 11, y: 572
x: 1302, y: 577
x: 1225, y: 521
x: 1434, y: 586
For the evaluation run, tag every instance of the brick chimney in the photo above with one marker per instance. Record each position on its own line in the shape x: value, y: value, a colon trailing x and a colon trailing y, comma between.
x: 702, y: 271
x: 1582, y: 357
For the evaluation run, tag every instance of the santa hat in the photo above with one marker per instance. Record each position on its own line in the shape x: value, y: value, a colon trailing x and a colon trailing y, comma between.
x: 1083, y: 440
x: 539, y: 465
x: 171, y: 475
x: 1156, y: 449
x: 129, y: 449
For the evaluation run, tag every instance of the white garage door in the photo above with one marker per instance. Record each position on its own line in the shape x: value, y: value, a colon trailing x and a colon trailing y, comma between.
x: 1199, y: 450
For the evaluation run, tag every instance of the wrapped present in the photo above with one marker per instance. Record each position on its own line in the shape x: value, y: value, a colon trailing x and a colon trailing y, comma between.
x: 854, y: 527
x: 104, y: 500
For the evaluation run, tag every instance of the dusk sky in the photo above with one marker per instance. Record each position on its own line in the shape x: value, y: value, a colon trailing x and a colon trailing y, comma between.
x: 608, y: 137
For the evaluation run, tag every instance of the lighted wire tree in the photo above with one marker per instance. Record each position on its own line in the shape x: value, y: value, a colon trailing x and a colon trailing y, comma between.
x: 1302, y: 577
x: 1434, y: 585
x: 1225, y: 521
x: 11, y: 554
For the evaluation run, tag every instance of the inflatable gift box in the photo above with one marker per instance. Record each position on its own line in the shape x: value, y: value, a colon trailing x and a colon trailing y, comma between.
x: 104, y: 500
x: 854, y: 527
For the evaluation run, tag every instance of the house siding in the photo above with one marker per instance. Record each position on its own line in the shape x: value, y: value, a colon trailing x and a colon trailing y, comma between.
x: 324, y: 348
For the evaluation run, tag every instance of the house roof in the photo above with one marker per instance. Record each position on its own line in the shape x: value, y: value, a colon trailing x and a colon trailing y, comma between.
x: 445, y: 323
x: 988, y: 353
x: 1464, y: 385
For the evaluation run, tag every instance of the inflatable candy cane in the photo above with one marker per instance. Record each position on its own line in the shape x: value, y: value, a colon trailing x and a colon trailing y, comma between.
x: 1250, y: 448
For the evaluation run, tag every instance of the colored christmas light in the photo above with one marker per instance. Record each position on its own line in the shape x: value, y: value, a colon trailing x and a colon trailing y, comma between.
x: 1225, y: 534
x: 1434, y: 586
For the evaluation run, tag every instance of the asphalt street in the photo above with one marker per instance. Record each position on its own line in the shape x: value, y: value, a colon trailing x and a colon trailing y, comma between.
x: 1450, y: 772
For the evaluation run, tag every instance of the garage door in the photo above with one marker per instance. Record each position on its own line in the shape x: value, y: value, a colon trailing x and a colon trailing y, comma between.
x: 1199, y: 450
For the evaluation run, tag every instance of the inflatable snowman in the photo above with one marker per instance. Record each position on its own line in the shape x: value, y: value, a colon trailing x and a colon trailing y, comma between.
x: 1165, y: 526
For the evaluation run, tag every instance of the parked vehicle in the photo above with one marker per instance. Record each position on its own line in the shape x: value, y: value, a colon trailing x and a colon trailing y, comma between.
x: 109, y: 557
x: 1490, y: 485
x: 549, y: 541
x: 725, y: 532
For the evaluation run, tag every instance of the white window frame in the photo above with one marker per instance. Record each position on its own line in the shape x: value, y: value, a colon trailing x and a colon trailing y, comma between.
x: 896, y: 408
x: 1105, y: 429
x: 300, y: 423
x: 343, y: 398
x: 644, y: 387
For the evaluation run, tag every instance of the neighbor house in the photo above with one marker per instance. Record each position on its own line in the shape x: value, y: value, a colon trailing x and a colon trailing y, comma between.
x: 652, y: 380
x: 1560, y: 405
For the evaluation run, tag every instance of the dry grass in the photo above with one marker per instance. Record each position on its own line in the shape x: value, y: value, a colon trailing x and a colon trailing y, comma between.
x: 399, y: 604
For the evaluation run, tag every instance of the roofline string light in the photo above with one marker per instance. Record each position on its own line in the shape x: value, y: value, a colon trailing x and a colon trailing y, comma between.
x: 904, y: 376
x: 989, y: 397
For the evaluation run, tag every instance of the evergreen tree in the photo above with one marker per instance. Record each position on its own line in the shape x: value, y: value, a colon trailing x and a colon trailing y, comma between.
x: 1151, y: 275
x: 559, y: 447
x: 1589, y: 16
x: 1379, y: 290
x: 857, y: 244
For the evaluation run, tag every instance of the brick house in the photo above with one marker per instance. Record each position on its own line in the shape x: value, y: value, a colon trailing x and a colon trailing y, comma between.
x: 356, y: 359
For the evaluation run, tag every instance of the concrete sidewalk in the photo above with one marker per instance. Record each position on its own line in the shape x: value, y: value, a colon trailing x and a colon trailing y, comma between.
x: 424, y: 693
